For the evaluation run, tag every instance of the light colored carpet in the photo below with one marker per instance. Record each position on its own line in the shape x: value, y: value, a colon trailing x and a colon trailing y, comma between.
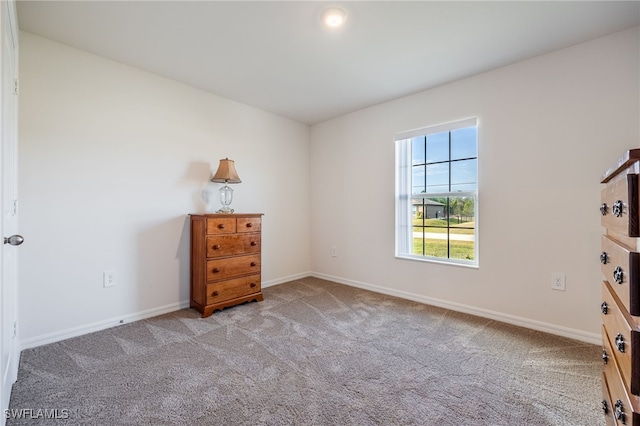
x: 314, y: 353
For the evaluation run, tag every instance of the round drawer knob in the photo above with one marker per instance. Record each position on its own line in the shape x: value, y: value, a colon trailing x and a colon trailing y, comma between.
x: 619, y: 413
x: 618, y: 275
x: 252, y: 285
x: 216, y: 246
x: 249, y: 225
x: 215, y: 294
x: 253, y: 263
x: 604, y: 308
x: 215, y: 271
x: 620, y: 342
x: 221, y: 226
x: 617, y: 208
x: 253, y: 243
x: 604, y: 258
x: 603, y: 209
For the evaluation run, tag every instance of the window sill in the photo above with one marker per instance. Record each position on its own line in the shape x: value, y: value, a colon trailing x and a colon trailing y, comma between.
x: 437, y: 261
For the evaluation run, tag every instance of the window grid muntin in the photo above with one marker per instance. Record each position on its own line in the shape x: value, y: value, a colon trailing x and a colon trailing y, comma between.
x: 426, y: 194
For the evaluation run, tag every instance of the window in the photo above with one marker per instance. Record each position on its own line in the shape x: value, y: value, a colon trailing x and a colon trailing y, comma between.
x: 437, y: 193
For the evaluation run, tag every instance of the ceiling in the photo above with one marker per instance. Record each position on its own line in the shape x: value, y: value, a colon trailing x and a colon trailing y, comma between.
x: 276, y: 56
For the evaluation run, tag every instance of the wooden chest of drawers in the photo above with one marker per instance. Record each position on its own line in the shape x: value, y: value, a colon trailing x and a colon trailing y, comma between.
x: 225, y: 260
x: 620, y: 308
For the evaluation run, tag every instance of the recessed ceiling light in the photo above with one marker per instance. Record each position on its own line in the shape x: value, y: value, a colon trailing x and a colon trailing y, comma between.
x: 334, y: 17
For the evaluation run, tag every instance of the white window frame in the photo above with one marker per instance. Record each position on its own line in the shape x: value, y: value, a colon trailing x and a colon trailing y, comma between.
x: 404, y: 195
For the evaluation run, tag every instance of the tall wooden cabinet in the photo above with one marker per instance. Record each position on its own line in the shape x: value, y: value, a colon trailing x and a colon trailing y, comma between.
x: 620, y: 308
x: 225, y: 260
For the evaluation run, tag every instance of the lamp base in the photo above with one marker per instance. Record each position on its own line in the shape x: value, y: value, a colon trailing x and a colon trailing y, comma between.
x: 226, y: 210
x: 226, y: 196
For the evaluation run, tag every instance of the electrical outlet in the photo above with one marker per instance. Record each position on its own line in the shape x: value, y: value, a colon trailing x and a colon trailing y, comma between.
x: 558, y: 281
x: 109, y: 278
x: 334, y: 251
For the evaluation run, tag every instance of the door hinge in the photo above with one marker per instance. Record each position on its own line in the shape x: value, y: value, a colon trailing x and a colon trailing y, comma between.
x: 15, y: 207
x: 16, y: 87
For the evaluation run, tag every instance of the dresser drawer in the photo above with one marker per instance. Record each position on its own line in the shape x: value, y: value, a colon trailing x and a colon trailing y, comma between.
x: 222, y: 269
x: 623, y: 338
x: 608, y: 370
x: 231, y: 289
x: 607, y: 407
x: 622, y: 406
x: 621, y: 268
x: 619, y: 206
x: 249, y: 224
x: 221, y: 225
x: 232, y: 245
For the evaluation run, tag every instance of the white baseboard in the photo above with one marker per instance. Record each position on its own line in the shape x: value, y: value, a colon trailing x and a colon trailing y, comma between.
x: 580, y: 335
x: 100, y: 325
x: 570, y: 333
x: 113, y: 322
x: 283, y: 280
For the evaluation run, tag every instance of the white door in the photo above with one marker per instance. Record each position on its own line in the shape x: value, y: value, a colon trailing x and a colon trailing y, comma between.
x: 8, y: 224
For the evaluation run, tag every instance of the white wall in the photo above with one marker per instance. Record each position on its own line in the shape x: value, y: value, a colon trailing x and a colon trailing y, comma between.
x: 548, y: 128
x: 112, y: 159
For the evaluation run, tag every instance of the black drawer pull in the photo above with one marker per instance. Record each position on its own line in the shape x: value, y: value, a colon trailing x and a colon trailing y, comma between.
x: 603, y: 209
x: 605, y: 357
x: 604, y: 258
x: 618, y: 275
x: 620, y: 342
x: 604, y: 308
x: 617, y: 208
x: 620, y: 415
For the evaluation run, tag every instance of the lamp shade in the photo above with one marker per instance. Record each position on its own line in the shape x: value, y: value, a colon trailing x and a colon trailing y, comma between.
x: 226, y: 172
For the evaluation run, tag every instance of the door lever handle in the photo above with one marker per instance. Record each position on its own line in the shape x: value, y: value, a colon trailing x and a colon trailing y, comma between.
x: 14, y: 240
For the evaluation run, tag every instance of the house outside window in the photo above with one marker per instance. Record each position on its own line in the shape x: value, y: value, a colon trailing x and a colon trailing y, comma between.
x: 437, y: 193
